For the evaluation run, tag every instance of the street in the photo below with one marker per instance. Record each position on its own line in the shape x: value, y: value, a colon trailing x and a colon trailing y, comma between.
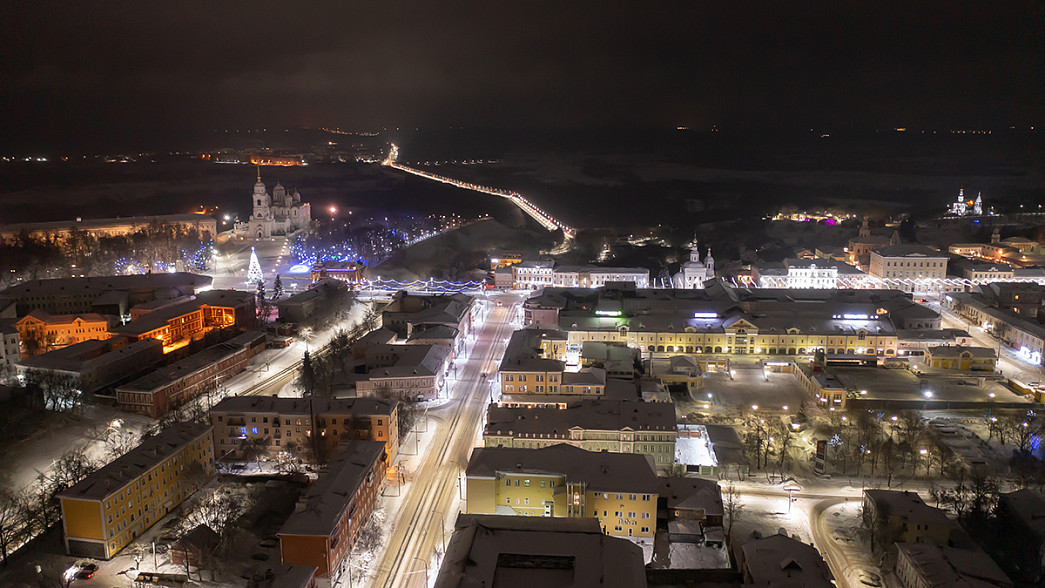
x: 428, y: 503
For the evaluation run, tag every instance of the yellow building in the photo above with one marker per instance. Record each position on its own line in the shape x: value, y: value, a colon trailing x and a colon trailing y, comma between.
x: 619, y: 489
x: 961, y: 358
x: 105, y: 511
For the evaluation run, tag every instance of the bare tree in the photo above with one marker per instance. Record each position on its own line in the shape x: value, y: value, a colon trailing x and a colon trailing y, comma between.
x: 732, y: 507
x: 12, y: 524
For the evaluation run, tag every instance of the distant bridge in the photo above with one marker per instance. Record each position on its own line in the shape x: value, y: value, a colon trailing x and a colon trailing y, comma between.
x: 543, y: 218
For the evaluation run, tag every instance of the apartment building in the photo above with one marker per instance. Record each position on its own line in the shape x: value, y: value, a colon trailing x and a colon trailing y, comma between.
x: 404, y: 371
x: 175, y: 384
x: 325, y: 525
x: 618, y: 426
x: 961, y: 358
x: 284, y: 424
x: 619, y: 489
x: 107, y: 510
x: 908, y: 262
x: 902, y: 516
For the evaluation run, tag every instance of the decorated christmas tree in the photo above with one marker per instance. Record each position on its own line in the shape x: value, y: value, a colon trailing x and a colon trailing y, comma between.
x: 254, y: 274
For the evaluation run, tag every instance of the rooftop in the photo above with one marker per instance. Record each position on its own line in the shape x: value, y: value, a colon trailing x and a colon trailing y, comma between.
x: 152, y: 450
x: 283, y: 406
x: 591, y: 415
x: 106, y: 283
x: 906, y: 504
x: 182, y: 368
x: 601, y: 471
x: 780, y: 561
x: 909, y: 250
x: 692, y: 493
x: 158, y: 318
x: 957, y: 568
x: 328, y: 496
x: 509, y: 552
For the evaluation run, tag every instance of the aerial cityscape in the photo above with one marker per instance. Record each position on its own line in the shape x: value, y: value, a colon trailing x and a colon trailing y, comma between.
x: 677, y: 295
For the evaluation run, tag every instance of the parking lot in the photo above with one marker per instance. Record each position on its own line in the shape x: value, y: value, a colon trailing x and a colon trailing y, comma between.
x: 750, y: 386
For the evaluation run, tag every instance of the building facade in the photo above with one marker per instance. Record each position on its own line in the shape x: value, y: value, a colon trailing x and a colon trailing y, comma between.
x: 336, y: 507
x: 278, y: 213
x: 273, y: 425
x: 646, y: 428
x: 108, y: 509
x: 48, y: 331
x: 694, y: 272
x: 619, y: 489
x: 175, y: 384
x: 909, y: 262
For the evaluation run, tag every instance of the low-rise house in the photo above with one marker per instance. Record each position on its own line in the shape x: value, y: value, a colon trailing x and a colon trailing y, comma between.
x: 487, y: 550
x: 303, y: 306
x: 619, y: 489
x: 961, y: 358
x: 779, y: 560
x: 327, y: 522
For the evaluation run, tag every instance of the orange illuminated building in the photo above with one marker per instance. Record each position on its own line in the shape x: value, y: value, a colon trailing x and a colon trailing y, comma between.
x: 337, y: 506
x: 275, y: 160
x: 177, y: 324
x: 54, y: 331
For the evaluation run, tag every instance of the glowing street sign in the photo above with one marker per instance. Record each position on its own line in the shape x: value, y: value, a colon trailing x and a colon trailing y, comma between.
x: 705, y: 315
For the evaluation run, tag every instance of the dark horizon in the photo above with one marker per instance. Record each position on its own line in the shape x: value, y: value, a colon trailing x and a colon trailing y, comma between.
x: 124, y: 75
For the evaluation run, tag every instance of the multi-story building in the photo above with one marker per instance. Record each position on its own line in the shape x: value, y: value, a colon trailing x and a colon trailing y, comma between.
x: 987, y: 272
x: 895, y: 515
x: 112, y: 295
x: 10, y: 352
x: 53, y: 331
x: 108, y: 509
x: 404, y: 372
x: 272, y: 425
x: 861, y: 246
x: 619, y: 489
x: 484, y: 549
x: 1015, y: 326
x: 721, y: 319
x: 533, y: 275
x: 183, y: 380
x: 647, y: 428
x: 534, y: 363
x: 305, y: 305
x: 95, y: 366
x: 176, y: 325
x: 408, y: 312
x: 811, y: 273
x: 336, y: 507
x: 203, y: 225
x: 905, y: 264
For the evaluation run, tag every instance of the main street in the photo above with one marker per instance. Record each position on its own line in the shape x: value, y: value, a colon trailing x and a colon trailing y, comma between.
x: 418, y: 526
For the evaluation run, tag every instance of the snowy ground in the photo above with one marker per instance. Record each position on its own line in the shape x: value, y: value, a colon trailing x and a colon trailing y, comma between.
x: 692, y: 556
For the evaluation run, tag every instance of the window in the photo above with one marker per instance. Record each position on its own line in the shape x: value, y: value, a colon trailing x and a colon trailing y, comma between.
x: 631, y: 515
x: 526, y: 483
x: 254, y: 430
x: 543, y: 483
x: 527, y: 500
x: 645, y: 529
x: 631, y: 497
x: 646, y: 497
x: 645, y: 515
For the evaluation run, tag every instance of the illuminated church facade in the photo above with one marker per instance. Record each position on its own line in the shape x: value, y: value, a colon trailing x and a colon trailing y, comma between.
x: 278, y: 213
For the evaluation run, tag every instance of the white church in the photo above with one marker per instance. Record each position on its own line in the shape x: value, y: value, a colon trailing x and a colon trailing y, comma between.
x: 963, y: 207
x: 694, y: 273
x: 279, y: 213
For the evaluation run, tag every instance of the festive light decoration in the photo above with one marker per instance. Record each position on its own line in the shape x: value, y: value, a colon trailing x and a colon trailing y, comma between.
x: 254, y: 274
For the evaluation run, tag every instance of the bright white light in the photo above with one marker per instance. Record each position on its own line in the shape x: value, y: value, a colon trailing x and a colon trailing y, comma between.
x: 927, y: 394
x: 705, y: 315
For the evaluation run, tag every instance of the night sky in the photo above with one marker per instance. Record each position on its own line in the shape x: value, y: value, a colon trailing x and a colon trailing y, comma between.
x: 75, y: 72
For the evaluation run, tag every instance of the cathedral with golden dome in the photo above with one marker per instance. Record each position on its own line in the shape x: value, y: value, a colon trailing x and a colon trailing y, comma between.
x: 278, y: 213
